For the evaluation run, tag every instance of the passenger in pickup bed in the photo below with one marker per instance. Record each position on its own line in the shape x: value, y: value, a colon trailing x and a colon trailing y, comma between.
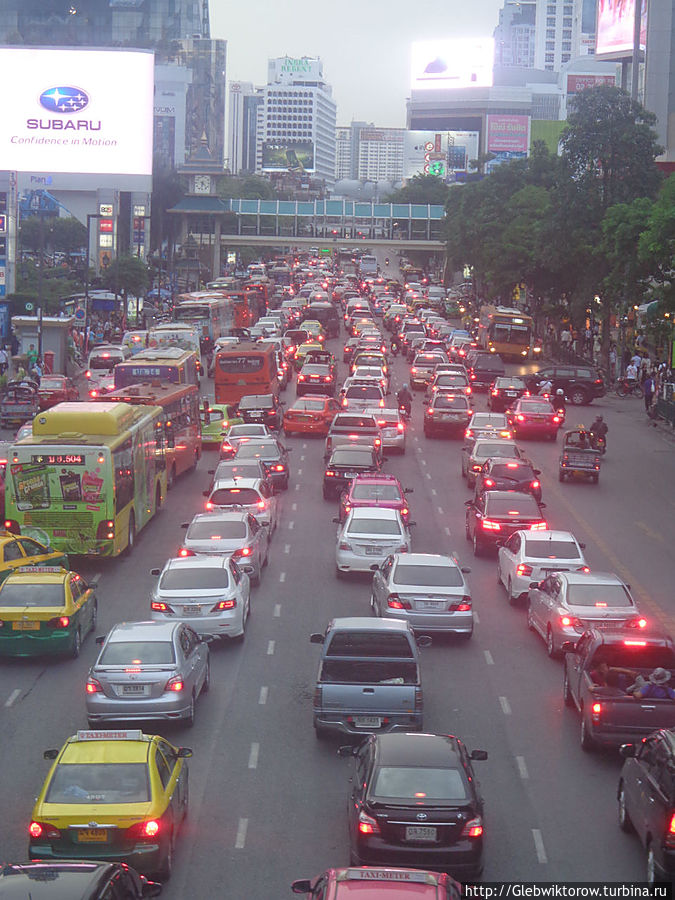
x: 613, y: 676
x: 655, y: 688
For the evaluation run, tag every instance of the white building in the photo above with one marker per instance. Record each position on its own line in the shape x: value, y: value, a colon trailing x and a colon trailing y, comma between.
x: 564, y: 29
x: 515, y: 34
x: 244, y: 103
x: 343, y: 154
x: 296, y: 120
x: 368, y: 153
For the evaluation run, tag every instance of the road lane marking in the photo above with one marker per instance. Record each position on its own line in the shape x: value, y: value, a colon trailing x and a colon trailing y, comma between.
x: 522, y: 768
x: 270, y: 648
x: 434, y: 492
x: 648, y: 531
x: 476, y: 617
x: 428, y: 474
x: 488, y: 658
x: 539, y: 846
x: 253, y: 756
x: 264, y: 692
x: 277, y: 610
x: 423, y: 462
x: 304, y: 446
x: 505, y: 705
x: 302, y: 456
x: 440, y: 510
x: 299, y: 471
x: 287, y: 548
x: 291, y: 525
x: 240, y: 840
x: 13, y: 697
x: 447, y: 530
x: 294, y: 506
x: 282, y: 576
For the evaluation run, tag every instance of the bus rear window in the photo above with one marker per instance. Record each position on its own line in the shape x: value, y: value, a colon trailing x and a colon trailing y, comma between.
x: 240, y: 364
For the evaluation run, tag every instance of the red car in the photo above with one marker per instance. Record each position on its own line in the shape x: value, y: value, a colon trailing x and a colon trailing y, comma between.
x: 312, y: 414
x: 55, y: 389
x: 534, y: 416
x: 375, y: 490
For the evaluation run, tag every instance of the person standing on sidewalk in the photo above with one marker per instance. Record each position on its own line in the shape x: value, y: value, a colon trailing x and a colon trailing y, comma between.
x: 597, y: 348
x: 649, y: 387
x: 612, y: 363
x: 566, y: 341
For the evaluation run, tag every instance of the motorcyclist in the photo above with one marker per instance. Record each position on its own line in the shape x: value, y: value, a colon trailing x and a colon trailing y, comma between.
x: 404, y: 399
x: 559, y: 400
x: 598, y: 432
x: 395, y: 346
x: 545, y: 388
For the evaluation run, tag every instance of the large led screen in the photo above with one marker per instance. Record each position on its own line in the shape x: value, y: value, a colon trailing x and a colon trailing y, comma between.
x: 614, y: 31
x: 77, y: 111
x: 288, y: 156
x: 457, y: 63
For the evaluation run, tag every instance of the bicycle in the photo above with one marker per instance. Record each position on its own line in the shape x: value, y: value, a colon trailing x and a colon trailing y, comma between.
x: 626, y: 388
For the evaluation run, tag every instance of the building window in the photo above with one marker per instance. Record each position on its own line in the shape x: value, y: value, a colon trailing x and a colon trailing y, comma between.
x: 566, y: 45
x: 550, y: 23
x: 565, y: 57
x: 549, y: 68
x: 550, y: 33
x: 550, y: 45
x: 567, y: 35
x: 550, y: 10
x: 567, y: 23
x: 549, y: 58
x: 567, y: 10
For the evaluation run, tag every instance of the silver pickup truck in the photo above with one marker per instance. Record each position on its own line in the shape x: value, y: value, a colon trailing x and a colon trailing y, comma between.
x: 369, y: 677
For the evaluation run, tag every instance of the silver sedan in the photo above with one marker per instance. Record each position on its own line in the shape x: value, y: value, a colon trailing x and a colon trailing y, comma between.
x: 427, y: 589
x: 236, y: 534
x: 147, y: 670
x: 368, y: 536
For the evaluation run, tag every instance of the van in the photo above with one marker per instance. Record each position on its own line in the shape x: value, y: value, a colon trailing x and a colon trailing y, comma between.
x: 324, y: 312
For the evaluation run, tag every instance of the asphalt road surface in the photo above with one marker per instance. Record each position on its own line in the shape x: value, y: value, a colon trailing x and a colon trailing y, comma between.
x: 267, y: 801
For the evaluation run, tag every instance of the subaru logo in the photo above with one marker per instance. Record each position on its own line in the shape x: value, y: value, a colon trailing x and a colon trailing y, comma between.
x: 64, y: 99
x: 422, y: 817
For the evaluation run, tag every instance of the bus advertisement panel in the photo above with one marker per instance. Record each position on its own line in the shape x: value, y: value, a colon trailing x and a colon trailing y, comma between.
x: 245, y: 369
x: 171, y: 365
x: 180, y: 417
x: 89, y: 494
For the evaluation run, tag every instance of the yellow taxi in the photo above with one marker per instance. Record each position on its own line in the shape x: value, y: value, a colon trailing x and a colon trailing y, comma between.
x: 302, y: 351
x: 18, y: 551
x: 45, y: 609
x: 112, y: 795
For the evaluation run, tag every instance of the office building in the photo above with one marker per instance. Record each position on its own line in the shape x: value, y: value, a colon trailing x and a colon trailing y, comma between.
x: 245, y: 102
x: 660, y: 78
x: 514, y: 35
x: 564, y: 30
x: 367, y: 153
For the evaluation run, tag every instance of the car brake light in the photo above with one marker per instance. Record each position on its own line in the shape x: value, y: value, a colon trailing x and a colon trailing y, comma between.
x: 635, y: 643
x: 596, y: 710
x: 583, y: 569
x: 185, y: 552
x: 93, y: 686
x: 243, y: 551
x: 489, y: 525
x: 534, y: 485
x: 465, y: 604
x: 224, y: 604
x: 555, y: 419
x: 59, y: 622
x: 260, y: 504
x: 43, y: 829
x: 400, y: 426
x: 413, y: 370
x: 301, y: 377
x: 329, y: 473
x: 520, y: 417
x: 473, y: 828
x: 175, y: 684
x: 538, y: 526
x: 468, y: 433
x: 430, y: 411
x: 367, y: 825
x: 524, y: 570
x: 489, y: 482
x: 495, y: 393
x: 208, y: 504
x: 160, y: 606
x: 395, y: 602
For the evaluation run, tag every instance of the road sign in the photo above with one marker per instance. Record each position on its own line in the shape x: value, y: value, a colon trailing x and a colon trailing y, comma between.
x: 29, y: 307
x: 79, y: 313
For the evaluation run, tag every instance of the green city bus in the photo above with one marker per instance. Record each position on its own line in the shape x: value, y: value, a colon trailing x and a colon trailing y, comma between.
x: 89, y: 478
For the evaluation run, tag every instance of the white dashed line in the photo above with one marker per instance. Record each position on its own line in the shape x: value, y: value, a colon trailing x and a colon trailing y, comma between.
x: 240, y: 840
x: 476, y: 617
x: 297, y: 487
x: 302, y: 456
x: 270, y: 648
x: 423, y: 462
x: 287, y: 548
x: 277, y: 610
x: 304, y: 446
x: 539, y: 846
x: 262, y: 699
x: 299, y: 471
x: 253, y: 756
x: 13, y: 697
x: 282, y: 576
x: 447, y: 530
x: 522, y: 768
x: 434, y: 492
x: 294, y: 506
x: 505, y: 705
x: 440, y: 511
x: 428, y: 474
x: 488, y: 658
x: 291, y: 525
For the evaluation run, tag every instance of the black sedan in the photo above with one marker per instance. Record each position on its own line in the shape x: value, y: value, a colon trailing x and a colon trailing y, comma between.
x: 272, y: 454
x: 345, y: 463
x: 261, y: 408
x: 316, y: 379
x: 504, y: 392
x: 416, y: 801
x: 493, y: 516
x: 508, y: 475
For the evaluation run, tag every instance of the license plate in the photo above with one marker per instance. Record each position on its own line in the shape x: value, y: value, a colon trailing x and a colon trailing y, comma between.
x: 372, y: 551
x: 420, y: 833
x: 133, y: 689
x: 349, y: 474
x: 92, y: 835
x: 256, y: 415
x: 511, y: 393
x: 192, y: 610
x: 25, y: 626
x: 431, y: 604
x: 367, y: 721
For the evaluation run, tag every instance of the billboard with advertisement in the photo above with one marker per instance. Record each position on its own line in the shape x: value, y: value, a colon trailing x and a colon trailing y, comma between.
x: 615, y: 25
x: 288, y: 156
x: 576, y: 83
x: 452, y: 63
x: 77, y: 110
x: 438, y: 153
x: 507, y: 138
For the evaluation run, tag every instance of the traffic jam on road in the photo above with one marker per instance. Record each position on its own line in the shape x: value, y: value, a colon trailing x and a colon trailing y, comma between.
x: 421, y: 742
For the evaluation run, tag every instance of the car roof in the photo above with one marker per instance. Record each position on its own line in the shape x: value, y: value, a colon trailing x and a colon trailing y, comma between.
x: 361, y: 623
x: 549, y: 535
x: 222, y: 515
x: 38, y: 575
x: 374, y: 512
x: 145, y: 631
x: 376, y: 478
x: 592, y: 578
x: 426, y: 559
x: 197, y: 562
x: 415, y: 749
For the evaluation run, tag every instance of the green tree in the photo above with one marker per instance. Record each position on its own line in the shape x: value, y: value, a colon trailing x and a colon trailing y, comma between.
x: 68, y: 234
x: 422, y: 189
x: 656, y: 247
x: 32, y: 232
x: 246, y: 187
x: 127, y: 275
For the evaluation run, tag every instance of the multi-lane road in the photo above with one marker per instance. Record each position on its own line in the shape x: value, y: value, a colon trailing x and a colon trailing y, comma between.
x: 267, y: 801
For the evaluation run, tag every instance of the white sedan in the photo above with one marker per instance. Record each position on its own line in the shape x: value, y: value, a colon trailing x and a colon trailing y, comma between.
x: 369, y: 535
x: 530, y: 556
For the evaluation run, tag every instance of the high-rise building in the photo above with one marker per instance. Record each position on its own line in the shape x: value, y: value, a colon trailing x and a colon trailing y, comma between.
x: 514, y: 35
x: 564, y: 29
x: 343, y: 154
x: 244, y: 104
x: 296, y: 120
x: 368, y: 153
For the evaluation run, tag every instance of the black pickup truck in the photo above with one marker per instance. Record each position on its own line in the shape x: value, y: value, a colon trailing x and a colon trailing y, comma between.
x: 609, y: 715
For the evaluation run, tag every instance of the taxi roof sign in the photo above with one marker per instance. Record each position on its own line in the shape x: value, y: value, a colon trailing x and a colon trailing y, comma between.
x: 371, y: 874
x: 133, y: 734
x: 41, y: 570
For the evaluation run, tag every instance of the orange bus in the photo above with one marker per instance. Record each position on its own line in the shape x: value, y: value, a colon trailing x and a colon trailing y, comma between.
x: 243, y: 369
x: 180, y: 417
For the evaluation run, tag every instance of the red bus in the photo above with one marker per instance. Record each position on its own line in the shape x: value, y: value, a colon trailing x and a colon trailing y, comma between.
x: 180, y: 415
x: 243, y: 369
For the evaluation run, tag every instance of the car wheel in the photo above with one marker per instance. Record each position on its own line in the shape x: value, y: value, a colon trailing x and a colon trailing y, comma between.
x: 328, y: 495
x: 76, y: 646
x: 578, y: 397
x: 339, y: 574
x: 172, y: 478
x: 190, y: 718
x: 561, y: 475
x: 550, y: 644
x: 568, y: 699
x: 509, y: 593
x: 652, y: 872
x: 586, y: 741
x: 466, y: 635
x: 477, y: 547
x: 131, y: 539
x: 373, y: 605
x: 427, y: 433
x: 467, y: 532
x: 595, y: 478
x: 625, y: 823
x: 164, y: 872
x: 320, y: 732
x: 255, y: 577
x: 530, y: 619
x: 206, y: 684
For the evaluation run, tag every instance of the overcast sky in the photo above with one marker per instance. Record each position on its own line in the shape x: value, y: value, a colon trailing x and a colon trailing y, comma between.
x: 364, y: 44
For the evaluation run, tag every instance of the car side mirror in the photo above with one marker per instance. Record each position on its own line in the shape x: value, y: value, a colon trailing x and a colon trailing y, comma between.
x: 211, y: 471
x: 465, y: 570
x: 155, y: 571
x: 408, y: 490
x: 582, y: 546
x: 569, y: 647
x: 184, y: 753
x: 100, y: 639
x: 423, y: 640
x: 469, y: 503
x: 336, y: 520
x: 50, y: 754
x: 542, y: 506
x: 537, y: 471
x: 534, y: 584
x: 184, y: 524
x: 627, y: 751
x: 347, y: 750
x: 206, y: 493
x: 316, y: 638
x: 302, y: 886
x: 478, y: 754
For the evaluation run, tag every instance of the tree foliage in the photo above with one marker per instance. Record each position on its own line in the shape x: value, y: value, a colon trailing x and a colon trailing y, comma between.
x: 421, y: 189
x: 127, y: 275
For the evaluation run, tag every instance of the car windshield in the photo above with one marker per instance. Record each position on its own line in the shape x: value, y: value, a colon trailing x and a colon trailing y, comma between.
x: 376, y: 492
x: 216, y: 530
x: 511, y: 472
x: 428, y: 576
x: 251, y: 450
x: 359, y: 525
x: 614, y: 595
x: 194, y: 578
x: 498, y: 448
x: 99, y: 783
x: 513, y: 505
x: 551, y: 550
x: 234, y: 497
x: 445, y: 402
x: 419, y: 784
x: 137, y: 653
x: 33, y: 595
x: 351, y: 458
x: 256, y: 402
x: 51, y: 384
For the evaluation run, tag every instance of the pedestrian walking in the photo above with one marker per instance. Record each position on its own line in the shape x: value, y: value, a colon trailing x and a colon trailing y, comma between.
x: 597, y: 347
x: 612, y: 363
x: 566, y: 342
x: 649, y: 387
x: 4, y: 360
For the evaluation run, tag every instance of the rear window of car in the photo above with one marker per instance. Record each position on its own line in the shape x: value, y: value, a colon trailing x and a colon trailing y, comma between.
x: 257, y: 402
x: 315, y: 369
x: 369, y: 644
x: 99, y: 783
x: 234, y: 496
x: 351, y: 458
x: 428, y: 576
x: 358, y: 671
x: 314, y: 405
x: 536, y: 409
x: 515, y: 504
x: 419, y: 784
x: 444, y: 402
x: 511, y: 471
x: 599, y: 595
x: 451, y: 380
x: 360, y: 525
x: 498, y: 448
x: 31, y: 595
x: 489, y: 363
x: 138, y: 653
x: 51, y: 384
x: 510, y: 383
x: 551, y: 550
x: 376, y: 492
x: 197, y: 577
x: 367, y: 392
x: 224, y: 531
x: 251, y: 449
x: 355, y: 422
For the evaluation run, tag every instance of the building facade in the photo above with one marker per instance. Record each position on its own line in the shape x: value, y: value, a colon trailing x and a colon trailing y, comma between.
x: 367, y: 153
x: 564, y: 30
x: 514, y: 35
x: 245, y: 101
